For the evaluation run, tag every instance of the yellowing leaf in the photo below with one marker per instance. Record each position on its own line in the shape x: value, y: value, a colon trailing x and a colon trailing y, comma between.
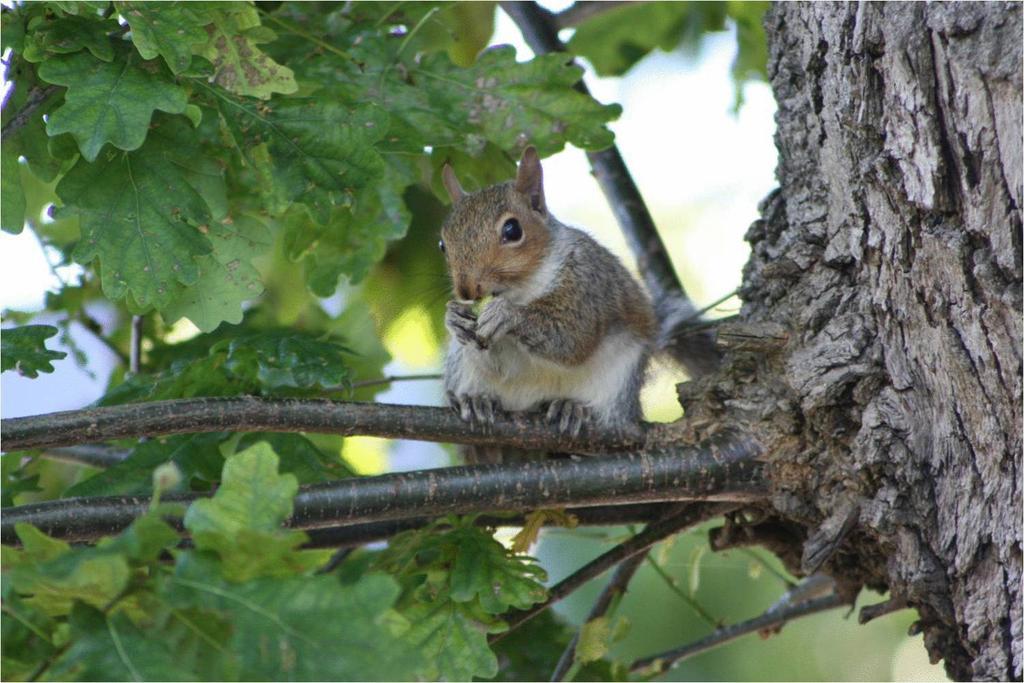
x: 240, y: 66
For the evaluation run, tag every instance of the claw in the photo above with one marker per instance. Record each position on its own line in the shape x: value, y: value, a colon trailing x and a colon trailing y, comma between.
x: 569, y: 415
x: 477, y: 408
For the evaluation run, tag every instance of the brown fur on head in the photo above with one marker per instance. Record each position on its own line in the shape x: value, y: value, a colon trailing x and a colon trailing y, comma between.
x: 481, y: 259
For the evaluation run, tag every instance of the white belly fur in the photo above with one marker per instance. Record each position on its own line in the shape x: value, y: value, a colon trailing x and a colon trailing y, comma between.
x: 522, y: 381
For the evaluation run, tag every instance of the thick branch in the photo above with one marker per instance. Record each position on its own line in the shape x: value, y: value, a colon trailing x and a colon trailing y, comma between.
x: 716, y: 471
x: 771, y: 620
x: 689, y: 516
x: 696, y: 352
x: 252, y: 414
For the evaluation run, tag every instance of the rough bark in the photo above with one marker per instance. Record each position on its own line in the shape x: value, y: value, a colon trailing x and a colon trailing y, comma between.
x: 891, y: 257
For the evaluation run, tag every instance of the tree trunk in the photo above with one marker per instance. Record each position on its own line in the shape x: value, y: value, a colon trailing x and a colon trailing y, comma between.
x: 890, y: 256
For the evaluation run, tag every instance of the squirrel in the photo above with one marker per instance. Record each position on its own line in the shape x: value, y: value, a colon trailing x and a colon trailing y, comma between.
x: 567, y: 329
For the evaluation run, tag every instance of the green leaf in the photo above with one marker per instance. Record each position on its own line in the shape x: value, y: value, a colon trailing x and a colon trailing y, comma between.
x: 278, y: 359
x: 24, y: 349
x: 314, y: 151
x: 615, y: 40
x: 485, y: 569
x: 240, y: 66
x: 109, y: 101
x: 241, y: 523
x: 68, y: 34
x: 12, y: 195
x: 454, y: 644
x: 352, y: 242
x: 37, y: 546
x: 26, y: 638
x: 88, y: 576
x: 595, y: 636
x: 76, y: 7
x: 28, y: 140
x: 301, y: 457
x: 145, y: 540
x: 227, y: 277
x: 252, y: 495
x: 15, y: 478
x: 111, y: 648
x: 303, y: 619
x: 140, y: 217
x: 169, y: 30
x: 196, y: 455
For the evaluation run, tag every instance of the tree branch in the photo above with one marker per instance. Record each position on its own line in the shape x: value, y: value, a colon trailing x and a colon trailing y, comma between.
x: 135, y: 347
x: 690, y: 515
x: 581, y: 11
x: 100, y: 457
x: 616, y: 587
x: 360, y: 534
x: 772, y: 619
x: 35, y: 99
x: 714, y: 472
x: 253, y: 414
x: 696, y: 352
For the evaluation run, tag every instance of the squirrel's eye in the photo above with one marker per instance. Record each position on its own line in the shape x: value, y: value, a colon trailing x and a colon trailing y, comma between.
x: 440, y: 245
x: 511, y: 231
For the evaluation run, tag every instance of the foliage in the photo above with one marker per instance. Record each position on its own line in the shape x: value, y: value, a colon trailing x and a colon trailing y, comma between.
x: 24, y: 349
x: 260, y: 183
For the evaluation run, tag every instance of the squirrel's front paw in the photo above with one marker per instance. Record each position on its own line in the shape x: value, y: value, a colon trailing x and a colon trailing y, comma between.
x: 474, y: 407
x: 461, y: 323
x: 568, y: 415
x: 495, y: 321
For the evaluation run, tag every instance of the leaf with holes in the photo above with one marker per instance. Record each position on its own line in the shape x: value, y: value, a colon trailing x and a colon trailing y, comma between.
x: 109, y: 101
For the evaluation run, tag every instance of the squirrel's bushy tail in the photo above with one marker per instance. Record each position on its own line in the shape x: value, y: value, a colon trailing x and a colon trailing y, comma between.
x: 684, y: 336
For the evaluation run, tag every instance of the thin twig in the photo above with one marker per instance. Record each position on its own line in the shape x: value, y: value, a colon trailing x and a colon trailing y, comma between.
x: 695, y: 316
x: 690, y: 601
x: 336, y: 559
x: 615, y: 588
x: 690, y: 516
x: 100, y: 457
x: 135, y: 349
x: 581, y: 11
x: 696, y: 352
x: 352, y: 535
x: 394, y: 378
x: 772, y: 619
x: 253, y: 414
x: 36, y: 97
x: 711, y: 472
x: 94, y: 326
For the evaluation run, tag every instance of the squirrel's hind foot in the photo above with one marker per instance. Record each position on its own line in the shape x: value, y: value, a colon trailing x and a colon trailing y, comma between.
x: 568, y: 415
x: 478, y: 408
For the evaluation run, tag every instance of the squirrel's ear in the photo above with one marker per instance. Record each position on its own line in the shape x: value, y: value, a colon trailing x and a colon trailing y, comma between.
x: 530, y: 179
x: 451, y: 183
